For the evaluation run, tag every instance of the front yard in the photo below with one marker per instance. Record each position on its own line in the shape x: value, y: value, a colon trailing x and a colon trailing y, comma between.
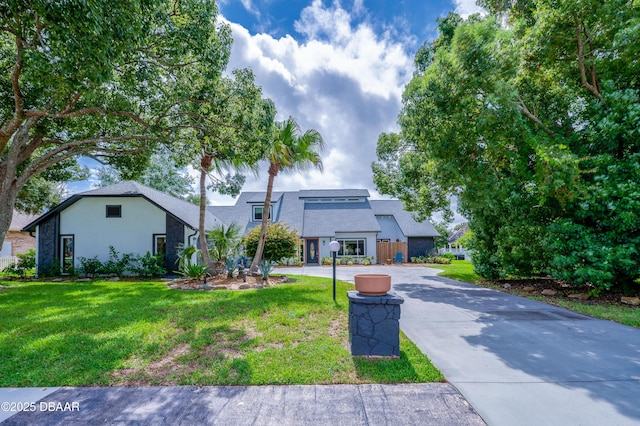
x: 145, y: 333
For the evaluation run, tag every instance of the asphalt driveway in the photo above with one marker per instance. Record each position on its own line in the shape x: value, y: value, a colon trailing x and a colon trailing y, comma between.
x: 516, y: 361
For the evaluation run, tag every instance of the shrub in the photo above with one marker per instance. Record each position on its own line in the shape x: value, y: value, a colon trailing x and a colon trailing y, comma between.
x: 147, y: 265
x: 326, y: 261
x: 116, y: 265
x: 90, y: 267
x: 26, y: 264
x: 280, y: 242
x: 449, y: 256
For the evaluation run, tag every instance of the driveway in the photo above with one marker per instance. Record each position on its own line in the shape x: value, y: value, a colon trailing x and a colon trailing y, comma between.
x: 517, y: 361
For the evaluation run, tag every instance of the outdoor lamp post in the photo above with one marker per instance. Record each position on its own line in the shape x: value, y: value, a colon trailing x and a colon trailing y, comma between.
x: 334, y: 246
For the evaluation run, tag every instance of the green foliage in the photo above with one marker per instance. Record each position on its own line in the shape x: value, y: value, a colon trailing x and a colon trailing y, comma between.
x: 193, y: 270
x: 26, y: 264
x: 186, y: 266
x: 90, y: 267
x: 280, y: 242
x: 162, y: 173
x: 265, y: 268
x: 600, y: 244
x: 147, y: 265
x: 107, y: 80
x: 541, y: 152
x: 224, y: 242
x: 116, y: 265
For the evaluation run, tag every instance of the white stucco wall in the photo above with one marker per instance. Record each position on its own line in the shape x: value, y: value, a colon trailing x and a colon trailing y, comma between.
x: 94, y: 232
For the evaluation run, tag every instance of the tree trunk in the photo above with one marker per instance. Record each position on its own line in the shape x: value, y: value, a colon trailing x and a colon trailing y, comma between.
x: 273, y: 172
x: 205, y: 163
x: 9, y: 194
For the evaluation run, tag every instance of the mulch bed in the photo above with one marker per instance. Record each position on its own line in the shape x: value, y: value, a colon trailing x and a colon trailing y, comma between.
x: 556, y: 289
x: 221, y: 282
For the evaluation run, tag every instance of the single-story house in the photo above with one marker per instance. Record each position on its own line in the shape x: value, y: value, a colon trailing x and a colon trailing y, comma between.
x: 129, y: 216
x: 344, y: 215
x: 134, y: 218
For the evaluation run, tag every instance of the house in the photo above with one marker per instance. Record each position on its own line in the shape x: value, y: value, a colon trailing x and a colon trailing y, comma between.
x: 346, y: 215
x: 16, y: 241
x: 131, y: 217
x: 134, y: 218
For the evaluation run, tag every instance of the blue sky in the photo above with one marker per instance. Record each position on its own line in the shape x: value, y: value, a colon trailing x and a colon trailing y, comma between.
x: 336, y: 66
x: 339, y: 67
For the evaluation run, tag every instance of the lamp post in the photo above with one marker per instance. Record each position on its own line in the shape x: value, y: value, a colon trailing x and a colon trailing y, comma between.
x: 334, y: 246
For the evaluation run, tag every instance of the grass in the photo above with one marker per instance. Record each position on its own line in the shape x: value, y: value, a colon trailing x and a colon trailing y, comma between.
x: 462, y: 270
x: 144, y: 333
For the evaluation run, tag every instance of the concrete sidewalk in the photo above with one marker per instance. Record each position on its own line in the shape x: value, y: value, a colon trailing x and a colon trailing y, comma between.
x: 515, y: 360
x: 411, y: 404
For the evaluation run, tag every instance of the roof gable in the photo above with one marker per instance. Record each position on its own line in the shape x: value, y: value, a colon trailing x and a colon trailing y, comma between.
x: 184, y: 211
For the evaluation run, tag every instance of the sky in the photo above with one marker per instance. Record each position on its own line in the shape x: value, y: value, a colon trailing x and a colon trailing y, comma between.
x: 338, y: 67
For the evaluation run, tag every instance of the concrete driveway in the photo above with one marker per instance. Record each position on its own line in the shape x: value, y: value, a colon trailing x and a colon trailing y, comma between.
x: 516, y: 361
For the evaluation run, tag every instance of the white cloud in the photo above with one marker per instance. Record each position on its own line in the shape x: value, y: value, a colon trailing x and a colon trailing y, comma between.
x: 344, y: 80
x: 466, y: 8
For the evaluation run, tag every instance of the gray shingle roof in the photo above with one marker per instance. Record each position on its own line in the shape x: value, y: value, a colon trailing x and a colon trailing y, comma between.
x: 184, y: 211
x: 409, y: 226
x: 325, y: 219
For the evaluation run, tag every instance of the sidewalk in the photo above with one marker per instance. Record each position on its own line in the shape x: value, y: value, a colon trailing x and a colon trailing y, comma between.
x: 411, y: 404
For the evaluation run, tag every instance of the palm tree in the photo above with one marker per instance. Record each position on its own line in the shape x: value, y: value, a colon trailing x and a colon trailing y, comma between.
x: 288, y: 151
x: 225, y: 241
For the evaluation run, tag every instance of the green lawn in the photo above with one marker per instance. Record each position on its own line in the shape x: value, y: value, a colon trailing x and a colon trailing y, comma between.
x: 144, y: 333
x: 462, y: 270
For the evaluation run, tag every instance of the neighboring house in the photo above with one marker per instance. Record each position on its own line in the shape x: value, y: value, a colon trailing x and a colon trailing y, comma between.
x: 452, y: 243
x: 17, y: 241
x: 131, y: 217
x: 320, y: 216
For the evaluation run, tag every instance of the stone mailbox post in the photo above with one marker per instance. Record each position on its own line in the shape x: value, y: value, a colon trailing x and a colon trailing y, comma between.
x: 374, y: 324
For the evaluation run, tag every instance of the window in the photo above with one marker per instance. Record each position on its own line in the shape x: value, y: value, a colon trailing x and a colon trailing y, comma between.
x: 352, y: 248
x: 66, y: 244
x: 258, y: 211
x: 114, y: 211
x: 159, y: 244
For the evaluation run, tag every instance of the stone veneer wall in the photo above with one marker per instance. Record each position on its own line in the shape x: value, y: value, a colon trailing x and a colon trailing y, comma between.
x: 47, y: 243
x: 374, y: 324
x: 175, y: 237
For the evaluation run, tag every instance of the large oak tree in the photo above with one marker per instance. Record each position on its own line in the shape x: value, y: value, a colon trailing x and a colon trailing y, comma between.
x: 94, y: 78
x: 532, y: 117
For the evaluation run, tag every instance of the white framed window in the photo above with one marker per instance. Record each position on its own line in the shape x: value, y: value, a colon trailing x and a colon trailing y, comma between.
x: 159, y: 244
x: 352, y: 247
x: 258, y: 212
x: 66, y: 245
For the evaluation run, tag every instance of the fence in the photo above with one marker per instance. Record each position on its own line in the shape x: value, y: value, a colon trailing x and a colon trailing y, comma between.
x: 460, y: 252
x: 387, y: 251
x: 7, y: 261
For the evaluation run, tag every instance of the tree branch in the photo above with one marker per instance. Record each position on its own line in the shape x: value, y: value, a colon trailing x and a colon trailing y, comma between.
x: 87, y: 111
x: 593, y: 88
x: 7, y: 131
x: 531, y: 116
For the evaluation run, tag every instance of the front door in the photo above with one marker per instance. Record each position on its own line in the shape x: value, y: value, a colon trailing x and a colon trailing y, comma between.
x: 312, y: 251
